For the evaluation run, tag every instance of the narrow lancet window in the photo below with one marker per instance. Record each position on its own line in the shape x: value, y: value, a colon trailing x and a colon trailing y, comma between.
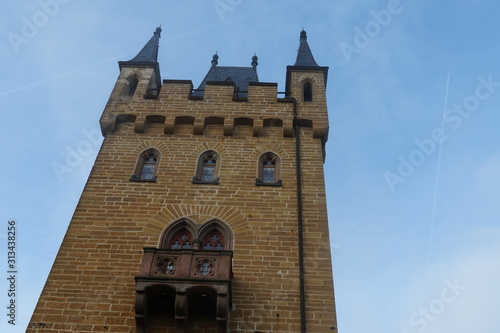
x: 132, y: 86
x: 308, y: 92
x: 207, y: 171
x: 269, y: 170
x: 147, y: 166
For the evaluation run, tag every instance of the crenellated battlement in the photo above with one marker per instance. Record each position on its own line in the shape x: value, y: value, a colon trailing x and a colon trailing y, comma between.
x: 220, y: 109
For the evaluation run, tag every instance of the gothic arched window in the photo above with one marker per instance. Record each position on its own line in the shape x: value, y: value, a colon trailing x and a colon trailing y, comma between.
x: 308, y: 91
x: 207, y: 171
x: 269, y: 170
x: 213, y: 240
x: 132, y: 86
x: 147, y: 166
x: 181, y: 240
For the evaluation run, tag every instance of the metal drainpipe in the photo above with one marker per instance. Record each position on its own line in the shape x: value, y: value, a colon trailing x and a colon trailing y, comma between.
x: 303, y: 327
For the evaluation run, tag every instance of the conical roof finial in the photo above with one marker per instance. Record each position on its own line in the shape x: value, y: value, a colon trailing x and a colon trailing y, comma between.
x: 255, y: 63
x: 215, y: 59
x: 158, y: 31
x: 303, y: 35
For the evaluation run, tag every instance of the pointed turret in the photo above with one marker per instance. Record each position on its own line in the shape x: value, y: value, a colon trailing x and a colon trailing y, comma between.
x: 304, y: 63
x: 149, y: 53
x: 147, y: 56
x: 304, y: 55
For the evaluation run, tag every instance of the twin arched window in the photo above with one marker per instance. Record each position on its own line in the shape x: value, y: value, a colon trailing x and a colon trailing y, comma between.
x: 184, y: 235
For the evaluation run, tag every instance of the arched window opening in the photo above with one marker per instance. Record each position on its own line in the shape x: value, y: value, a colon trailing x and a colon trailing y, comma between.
x: 214, y: 240
x: 269, y: 170
x: 208, y: 169
x: 132, y: 86
x: 147, y: 166
x: 308, y: 91
x: 181, y: 240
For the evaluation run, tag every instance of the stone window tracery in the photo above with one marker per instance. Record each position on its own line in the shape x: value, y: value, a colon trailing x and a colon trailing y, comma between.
x: 214, y: 240
x: 147, y: 166
x: 269, y: 170
x: 207, y: 171
x: 182, y: 240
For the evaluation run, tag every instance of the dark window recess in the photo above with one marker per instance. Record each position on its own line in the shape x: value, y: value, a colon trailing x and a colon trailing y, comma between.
x: 202, y: 303
x: 132, y: 87
x: 161, y: 302
x: 308, y: 92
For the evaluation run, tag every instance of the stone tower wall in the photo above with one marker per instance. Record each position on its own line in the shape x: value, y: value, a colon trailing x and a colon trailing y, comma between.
x: 91, y: 286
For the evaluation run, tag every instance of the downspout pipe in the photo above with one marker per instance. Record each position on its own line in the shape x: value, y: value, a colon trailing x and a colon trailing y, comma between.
x: 300, y: 229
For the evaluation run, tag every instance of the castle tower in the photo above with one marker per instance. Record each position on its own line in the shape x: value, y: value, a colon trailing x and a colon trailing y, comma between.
x: 205, y: 210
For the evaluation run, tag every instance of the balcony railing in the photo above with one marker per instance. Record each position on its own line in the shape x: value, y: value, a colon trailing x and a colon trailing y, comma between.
x: 186, y: 264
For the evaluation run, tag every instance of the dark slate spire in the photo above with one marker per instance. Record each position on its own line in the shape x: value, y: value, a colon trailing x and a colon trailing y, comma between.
x: 148, y: 54
x: 147, y: 57
x: 304, y: 55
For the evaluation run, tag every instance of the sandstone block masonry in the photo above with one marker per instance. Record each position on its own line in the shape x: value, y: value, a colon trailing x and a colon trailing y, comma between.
x: 92, y: 286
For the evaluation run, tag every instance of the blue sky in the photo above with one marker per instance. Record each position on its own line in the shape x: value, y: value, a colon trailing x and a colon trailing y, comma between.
x: 413, y: 156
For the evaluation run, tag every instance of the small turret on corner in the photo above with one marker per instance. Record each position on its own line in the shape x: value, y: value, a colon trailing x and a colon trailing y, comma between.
x: 141, y: 73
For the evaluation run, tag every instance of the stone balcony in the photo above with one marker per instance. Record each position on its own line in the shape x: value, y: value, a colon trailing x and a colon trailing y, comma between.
x: 186, y: 275
x: 190, y: 265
